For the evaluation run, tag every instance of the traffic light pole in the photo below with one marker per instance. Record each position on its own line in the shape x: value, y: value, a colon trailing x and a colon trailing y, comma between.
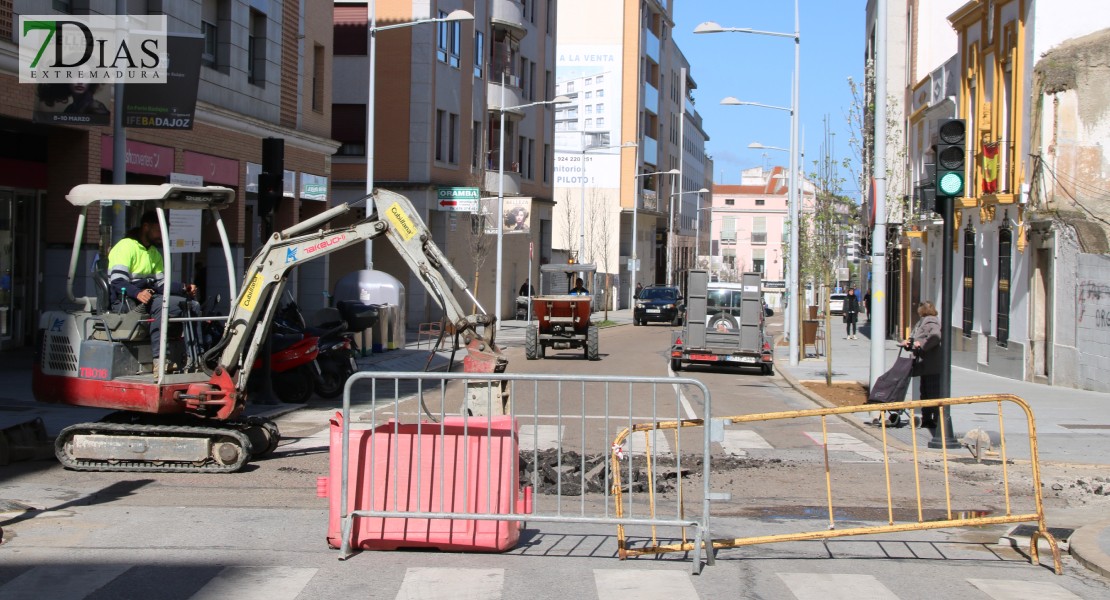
x: 270, y: 188
x: 946, y: 323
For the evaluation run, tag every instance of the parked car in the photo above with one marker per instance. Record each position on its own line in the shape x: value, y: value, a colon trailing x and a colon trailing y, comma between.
x: 836, y: 303
x: 658, y: 303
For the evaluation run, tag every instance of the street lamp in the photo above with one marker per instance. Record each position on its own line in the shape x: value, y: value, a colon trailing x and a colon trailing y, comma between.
x: 371, y: 31
x: 501, y: 185
x: 788, y: 324
x: 697, y: 220
x: 710, y: 27
x: 635, y: 210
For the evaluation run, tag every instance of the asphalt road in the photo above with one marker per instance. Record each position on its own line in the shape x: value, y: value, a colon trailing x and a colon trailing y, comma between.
x: 261, y: 533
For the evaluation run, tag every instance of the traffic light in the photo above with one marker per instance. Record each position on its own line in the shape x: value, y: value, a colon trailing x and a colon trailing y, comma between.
x: 951, y: 158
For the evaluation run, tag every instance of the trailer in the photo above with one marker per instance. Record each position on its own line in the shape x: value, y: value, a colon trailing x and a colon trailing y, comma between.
x: 724, y: 325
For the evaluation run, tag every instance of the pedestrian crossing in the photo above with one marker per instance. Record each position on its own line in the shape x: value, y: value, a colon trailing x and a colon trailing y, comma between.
x: 843, y: 447
x: 88, y: 581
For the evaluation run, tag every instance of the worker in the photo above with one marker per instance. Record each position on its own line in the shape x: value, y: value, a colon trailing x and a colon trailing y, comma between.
x: 136, y: 275
x: 579, y: 288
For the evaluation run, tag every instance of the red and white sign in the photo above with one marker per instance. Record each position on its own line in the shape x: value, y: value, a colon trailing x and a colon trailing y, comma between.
x: 147, y: 159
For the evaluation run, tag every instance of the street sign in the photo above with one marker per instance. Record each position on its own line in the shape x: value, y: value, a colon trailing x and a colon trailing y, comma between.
x: 457, y: 199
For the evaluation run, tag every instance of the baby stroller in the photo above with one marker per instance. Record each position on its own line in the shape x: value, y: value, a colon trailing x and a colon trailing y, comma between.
x: 891, y: 387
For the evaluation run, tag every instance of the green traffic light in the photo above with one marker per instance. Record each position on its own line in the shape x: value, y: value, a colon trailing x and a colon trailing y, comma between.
x: 950, y: 184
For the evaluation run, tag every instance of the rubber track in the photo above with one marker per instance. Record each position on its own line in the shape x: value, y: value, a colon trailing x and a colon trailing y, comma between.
x: 210, y: 466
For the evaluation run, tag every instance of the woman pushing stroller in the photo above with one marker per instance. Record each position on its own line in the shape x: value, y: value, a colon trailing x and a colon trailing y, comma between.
x: 924, y: 342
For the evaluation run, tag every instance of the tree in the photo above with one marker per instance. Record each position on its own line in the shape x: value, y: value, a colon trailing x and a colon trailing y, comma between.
x: 570, y: 223
x: 599, y: 219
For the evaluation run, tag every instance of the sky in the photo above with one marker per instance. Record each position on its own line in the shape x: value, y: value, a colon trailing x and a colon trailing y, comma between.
x: 759, y: 68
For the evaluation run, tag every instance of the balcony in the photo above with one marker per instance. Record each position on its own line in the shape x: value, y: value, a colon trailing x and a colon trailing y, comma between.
x: 650, y: 151
x: 651, y: 99
x: 513, y: 94
x: 651, y: 45
x: 512, y: 178
x: 510, y: 15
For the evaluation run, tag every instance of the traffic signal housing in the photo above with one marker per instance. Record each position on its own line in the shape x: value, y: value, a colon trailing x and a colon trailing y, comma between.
x: 951, y: 158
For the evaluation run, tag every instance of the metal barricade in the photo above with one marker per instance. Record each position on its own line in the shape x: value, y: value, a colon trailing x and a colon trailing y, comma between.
x: 565, y: 426
x: 950, y: 519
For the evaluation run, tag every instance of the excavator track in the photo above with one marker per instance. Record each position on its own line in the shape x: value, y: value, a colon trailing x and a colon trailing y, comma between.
x: 137, y: 448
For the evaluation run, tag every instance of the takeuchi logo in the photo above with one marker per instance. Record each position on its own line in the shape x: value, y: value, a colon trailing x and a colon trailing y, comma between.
x: 92, y: 49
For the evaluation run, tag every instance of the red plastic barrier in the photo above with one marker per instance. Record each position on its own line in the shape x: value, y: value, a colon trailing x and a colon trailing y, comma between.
x: 449, y: 462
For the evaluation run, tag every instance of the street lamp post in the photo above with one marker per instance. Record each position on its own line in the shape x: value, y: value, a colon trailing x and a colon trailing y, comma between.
x: 795, y: 197
x: 582, y: 191
x: 501, y: 186
x: 787, y: 322
x: 371, y: 32
x: 635, y: 209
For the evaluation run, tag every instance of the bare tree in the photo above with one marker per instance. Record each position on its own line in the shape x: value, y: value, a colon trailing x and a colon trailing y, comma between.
x: 601, y: 236
x: 570, y: 222
x: 479, y: 243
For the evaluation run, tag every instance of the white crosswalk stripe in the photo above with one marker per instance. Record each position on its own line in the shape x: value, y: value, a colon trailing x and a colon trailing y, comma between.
x: 844, y: 442
x: 820, y: 586
x: 69, y: 582
x: 622, y: 584
x: 451, y: 584
x: 256, y: 583
x: 1005, y: 589
x: 540, y: 437
x: 737, y: 442
x: 638, y: 442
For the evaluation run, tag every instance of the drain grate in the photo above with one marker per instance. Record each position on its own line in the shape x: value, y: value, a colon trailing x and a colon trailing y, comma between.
x: 1019, y: 537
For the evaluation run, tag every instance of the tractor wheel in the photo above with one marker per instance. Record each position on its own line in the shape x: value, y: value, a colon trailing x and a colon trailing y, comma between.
x: 532, y: 348
x: 591, y: 342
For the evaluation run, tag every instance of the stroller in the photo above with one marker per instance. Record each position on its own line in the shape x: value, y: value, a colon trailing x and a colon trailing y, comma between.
x: 891, y: 387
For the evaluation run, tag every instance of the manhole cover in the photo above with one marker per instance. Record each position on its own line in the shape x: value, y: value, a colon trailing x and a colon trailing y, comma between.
x: 1019, y: 537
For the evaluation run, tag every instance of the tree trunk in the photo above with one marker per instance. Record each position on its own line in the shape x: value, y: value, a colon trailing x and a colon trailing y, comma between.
x: 828, y: 333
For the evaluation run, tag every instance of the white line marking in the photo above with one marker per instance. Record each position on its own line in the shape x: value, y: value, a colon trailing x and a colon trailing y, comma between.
x: 1004, y: 589
x: 738, y: 441
x: 818, y: 586
x: 844, y: 442
x: 70, y: 582
x: 540, y: 437
x: 256, y: 583
x: 622, y: 584
x: 451, y: 584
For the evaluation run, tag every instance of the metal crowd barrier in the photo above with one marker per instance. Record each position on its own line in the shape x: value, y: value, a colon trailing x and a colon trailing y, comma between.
x: 917, y: 524
x: 565, y: 426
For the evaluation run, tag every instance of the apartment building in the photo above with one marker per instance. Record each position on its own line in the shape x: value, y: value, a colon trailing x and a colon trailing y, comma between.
x: 1029, y: 254
x: 264, y: 73
x: 629, y: 122
x: 440, y: 92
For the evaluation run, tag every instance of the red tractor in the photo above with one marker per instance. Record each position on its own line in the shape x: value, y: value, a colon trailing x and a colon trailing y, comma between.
x: 561, y: 313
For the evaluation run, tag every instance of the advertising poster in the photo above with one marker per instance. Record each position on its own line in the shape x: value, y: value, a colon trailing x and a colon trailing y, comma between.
x: 517, y: 215
x: 73, y: 103
x: 590, y: 75
x: 171, y: 105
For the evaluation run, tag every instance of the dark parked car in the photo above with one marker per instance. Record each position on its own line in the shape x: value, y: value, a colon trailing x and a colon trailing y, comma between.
x: 658, y: 303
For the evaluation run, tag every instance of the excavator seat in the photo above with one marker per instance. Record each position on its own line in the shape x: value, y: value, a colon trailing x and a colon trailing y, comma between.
x: 127, y: 325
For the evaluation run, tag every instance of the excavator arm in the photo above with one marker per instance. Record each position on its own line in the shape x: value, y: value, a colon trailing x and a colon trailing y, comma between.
x: 395, y: 219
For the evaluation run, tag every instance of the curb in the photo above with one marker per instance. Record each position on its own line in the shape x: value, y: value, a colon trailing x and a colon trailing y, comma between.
x: 1085, y: 548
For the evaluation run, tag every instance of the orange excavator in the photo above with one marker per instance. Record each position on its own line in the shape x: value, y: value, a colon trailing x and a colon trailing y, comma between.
x: 191, y: 420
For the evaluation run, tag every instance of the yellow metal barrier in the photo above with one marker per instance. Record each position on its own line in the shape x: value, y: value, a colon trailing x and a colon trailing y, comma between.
x: 920, y: 524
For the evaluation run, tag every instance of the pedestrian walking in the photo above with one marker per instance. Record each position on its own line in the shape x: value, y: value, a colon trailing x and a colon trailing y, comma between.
x: 851, y: 312
x: 867, y: 304
x: 924, y: 342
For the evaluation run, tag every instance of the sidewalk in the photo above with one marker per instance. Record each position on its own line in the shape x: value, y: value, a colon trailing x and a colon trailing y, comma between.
x: 1072, y: 426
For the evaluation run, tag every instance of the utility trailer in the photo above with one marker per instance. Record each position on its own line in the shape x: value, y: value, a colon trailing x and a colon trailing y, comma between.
x: 561, y: 320
x: 724, y: 325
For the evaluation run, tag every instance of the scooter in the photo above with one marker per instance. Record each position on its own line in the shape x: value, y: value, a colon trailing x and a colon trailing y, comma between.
x: 337, y: 353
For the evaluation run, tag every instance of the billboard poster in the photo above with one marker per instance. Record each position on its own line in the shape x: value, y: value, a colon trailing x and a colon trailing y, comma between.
x: 590, y: 75
x: 517, y: 215
x: 171, y: 105
x: 73, y: 103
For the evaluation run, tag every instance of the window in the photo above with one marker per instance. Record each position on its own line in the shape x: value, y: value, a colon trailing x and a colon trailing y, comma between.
x: 529, y: 171
x: 589, y: 95
x: 601, y: 121
x: 348, y: 127
x: 547, y: 85
x: 256, y: 49
x: 759, y: 230
x: 600, y: 109
x: 476, y: 144
x: 589, y: 123
x: 730, y: 201
x: 318, y: 73
x: 1005, y: 257
x: 589, y: 109
x: 969, y: 281
x: 758, y: 258
x: 728, y: 230
x: 760, y: 202
x: 601, y: 93
x: 546, y: 163
x: 570, y: 87
x: 448, y: 42
x: 589, y: 81
x: 349, y: 30
x: 211, y: 36
x: 479, y: 53
x: 441, y: 133
x: 599, y: 79
x: 453, y: 139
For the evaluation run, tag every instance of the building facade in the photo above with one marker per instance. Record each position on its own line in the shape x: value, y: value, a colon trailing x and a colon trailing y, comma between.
x: 629, y: 123
x: 441, y: 89
x: 263, y: 74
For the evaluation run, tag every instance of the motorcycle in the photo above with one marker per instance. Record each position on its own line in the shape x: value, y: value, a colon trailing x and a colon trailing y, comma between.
x: 337, y: 352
